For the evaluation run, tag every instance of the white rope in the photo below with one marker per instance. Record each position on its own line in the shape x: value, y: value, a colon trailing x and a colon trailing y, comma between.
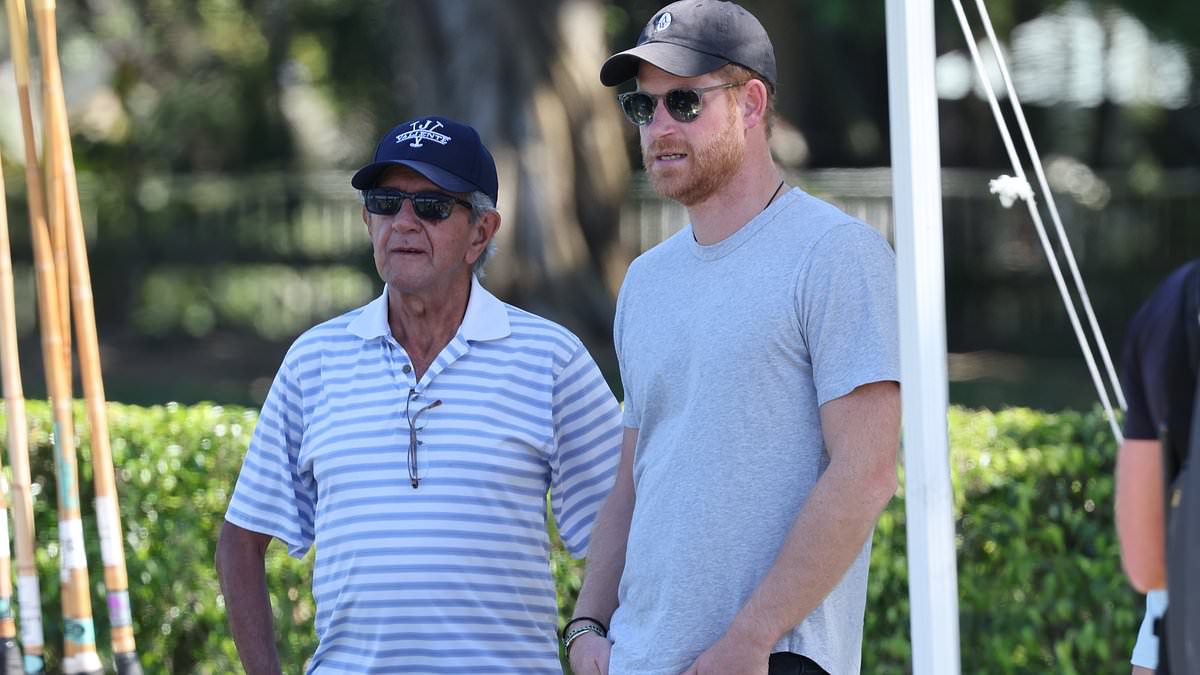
x: 1102, y: 346
x: 1012, y: 188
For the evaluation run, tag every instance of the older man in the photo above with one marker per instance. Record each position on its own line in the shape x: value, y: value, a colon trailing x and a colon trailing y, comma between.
x: 412, y: 441
x: 759, y: 356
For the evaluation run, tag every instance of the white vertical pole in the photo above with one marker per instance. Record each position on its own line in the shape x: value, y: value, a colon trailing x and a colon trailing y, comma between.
x: 917, y: 203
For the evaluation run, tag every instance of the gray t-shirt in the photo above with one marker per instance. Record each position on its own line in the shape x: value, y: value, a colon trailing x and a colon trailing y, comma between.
x: 727, y: 351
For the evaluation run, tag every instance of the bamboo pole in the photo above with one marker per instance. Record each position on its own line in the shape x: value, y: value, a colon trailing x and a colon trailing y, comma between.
x: 28, y: 589
x: 79, y: 635
x: 79, y: 650
x: 55, y: 192
x: 11, y: 662
x: 107, y: 513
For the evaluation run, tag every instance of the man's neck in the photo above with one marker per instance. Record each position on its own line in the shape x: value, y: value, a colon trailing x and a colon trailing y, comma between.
x: 425, y: 323
x: 735, y: 203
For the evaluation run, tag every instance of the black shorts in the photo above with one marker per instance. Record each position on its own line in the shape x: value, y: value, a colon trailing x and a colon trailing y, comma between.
x: 787, y: 663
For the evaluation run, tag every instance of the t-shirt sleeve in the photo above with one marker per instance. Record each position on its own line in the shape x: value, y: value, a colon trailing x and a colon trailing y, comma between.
x: 846, y: 308
x: 1139, y: 423
x: 630, y: 409
x: 271, y: 496
x: 587, y: 431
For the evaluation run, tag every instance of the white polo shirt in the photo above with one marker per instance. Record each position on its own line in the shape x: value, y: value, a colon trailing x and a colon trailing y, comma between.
x: 452, y: 576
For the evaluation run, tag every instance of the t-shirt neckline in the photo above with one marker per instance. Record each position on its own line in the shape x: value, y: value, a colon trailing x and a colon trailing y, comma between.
x: 743, y: 234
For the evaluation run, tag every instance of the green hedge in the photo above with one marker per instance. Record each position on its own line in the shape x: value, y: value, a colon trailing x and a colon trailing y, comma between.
x: 1040, y: 586
x: 175, y: 469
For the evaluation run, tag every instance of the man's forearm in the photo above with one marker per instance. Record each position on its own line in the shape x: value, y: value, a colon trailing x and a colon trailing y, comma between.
x: 1139, y: 513
x: 241, y: 569
x: 606, y: 560
x: 840, y: 515
x: 861, y: 433
x: 610, y: 534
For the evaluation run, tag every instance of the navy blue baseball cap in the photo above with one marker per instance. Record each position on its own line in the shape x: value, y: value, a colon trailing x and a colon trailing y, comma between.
x: 448, y: 153
x: 694, y: 37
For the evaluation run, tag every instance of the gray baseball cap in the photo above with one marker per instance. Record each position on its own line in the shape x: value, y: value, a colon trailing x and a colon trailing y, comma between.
x: 694, y: 37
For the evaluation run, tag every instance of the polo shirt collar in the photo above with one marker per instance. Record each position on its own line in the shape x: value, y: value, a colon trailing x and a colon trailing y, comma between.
x: 486, y: 317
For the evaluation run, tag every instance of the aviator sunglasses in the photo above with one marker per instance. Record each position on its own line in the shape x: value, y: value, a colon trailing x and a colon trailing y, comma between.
x: 683, y: 104
x: 431, y: 206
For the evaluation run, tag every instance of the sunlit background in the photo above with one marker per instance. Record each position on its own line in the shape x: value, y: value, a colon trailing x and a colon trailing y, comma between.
x: 215, y: 140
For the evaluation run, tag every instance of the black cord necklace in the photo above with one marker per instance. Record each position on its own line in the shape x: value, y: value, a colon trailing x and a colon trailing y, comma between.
x: 774, y: 195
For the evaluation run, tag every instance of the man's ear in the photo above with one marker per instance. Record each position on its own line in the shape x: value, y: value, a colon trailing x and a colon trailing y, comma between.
x: 755, y: 103
x: 483, y: 231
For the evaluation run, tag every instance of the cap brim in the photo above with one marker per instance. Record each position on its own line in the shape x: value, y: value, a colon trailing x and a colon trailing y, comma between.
x: 675, y: 59
x: 368, y: 176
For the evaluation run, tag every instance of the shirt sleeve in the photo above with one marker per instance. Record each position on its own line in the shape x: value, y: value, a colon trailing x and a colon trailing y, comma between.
x: 1138, y: 420
x: 630, y: 410
x: 587, y: 432
x: 272, y: 496
x: 846, y: 308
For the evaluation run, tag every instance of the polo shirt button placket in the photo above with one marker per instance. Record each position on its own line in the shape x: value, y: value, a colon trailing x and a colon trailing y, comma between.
x: 391, y: 347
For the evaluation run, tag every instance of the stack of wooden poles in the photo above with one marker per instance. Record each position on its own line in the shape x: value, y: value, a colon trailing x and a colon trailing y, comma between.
x: 64, y: 293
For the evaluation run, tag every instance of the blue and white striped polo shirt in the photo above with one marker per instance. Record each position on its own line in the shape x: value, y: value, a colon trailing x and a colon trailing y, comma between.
x: 452, y: 576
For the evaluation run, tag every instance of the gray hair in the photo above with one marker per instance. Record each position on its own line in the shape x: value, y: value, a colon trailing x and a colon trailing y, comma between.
x: 481, y: 204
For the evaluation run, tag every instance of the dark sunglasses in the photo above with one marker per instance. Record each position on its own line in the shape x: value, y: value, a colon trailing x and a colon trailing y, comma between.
x: 683, y: 104
x: 431, y: 206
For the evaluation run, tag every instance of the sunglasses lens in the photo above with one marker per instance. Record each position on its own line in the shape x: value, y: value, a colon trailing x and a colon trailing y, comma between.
x: 683, y: 104
x: 383, y: 202
x: 638, y: 107
x: 427, y: 205
x: 432, y: 207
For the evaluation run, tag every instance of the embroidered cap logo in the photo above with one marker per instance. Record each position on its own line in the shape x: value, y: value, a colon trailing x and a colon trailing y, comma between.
x: 423, y: 131
x: 663, y: 22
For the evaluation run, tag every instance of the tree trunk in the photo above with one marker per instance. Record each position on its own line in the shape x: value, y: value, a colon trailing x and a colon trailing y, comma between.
x: 526, y: 75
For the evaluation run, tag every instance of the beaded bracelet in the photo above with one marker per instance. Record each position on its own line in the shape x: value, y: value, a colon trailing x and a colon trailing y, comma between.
x: 575, y: 634
x: 598, y: 622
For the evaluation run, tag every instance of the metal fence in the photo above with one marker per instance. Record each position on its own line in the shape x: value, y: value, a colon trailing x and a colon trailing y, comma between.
x: 271, y: 254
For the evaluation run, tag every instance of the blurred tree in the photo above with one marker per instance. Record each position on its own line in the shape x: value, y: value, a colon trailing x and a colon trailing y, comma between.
x: 525, y: 73
x: 832, y: 58
x: 202, y: 128
x: 231, y: 86
x: 1174, y: 19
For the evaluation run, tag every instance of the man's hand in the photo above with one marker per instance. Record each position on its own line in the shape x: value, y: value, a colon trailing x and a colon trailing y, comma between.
x: 589, y: 655
x: 728, y: 657
x: 736, y: 653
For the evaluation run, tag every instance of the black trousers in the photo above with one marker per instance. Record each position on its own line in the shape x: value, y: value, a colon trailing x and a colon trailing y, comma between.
x: 787, y: 663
